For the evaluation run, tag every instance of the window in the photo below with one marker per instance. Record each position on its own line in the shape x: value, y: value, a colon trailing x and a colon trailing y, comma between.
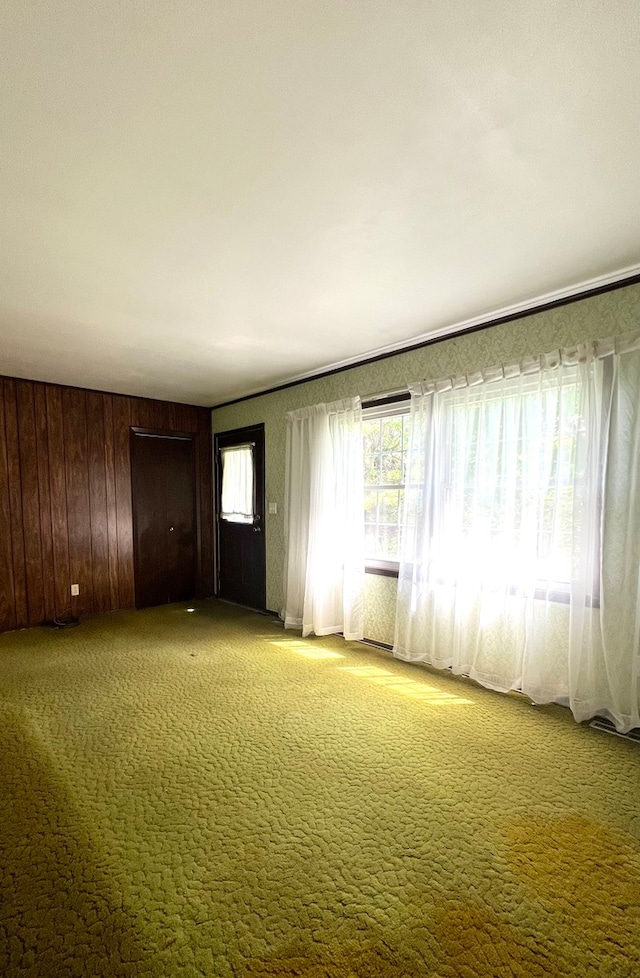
x: 385, y: 430
x: 528, y: 498
x: 507, y: 464
x: 497, y: 503
x: 509, y: 472
x: 237, y: 484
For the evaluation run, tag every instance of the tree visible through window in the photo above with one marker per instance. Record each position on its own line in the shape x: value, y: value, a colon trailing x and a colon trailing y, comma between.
x: 386, y: 441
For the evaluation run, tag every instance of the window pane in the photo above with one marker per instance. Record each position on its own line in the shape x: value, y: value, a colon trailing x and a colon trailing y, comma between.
x: 406, y: 433
x: 391, y: 434
x: 389, y: 506
x: 371, y: 436
x: 391, y: 468
x: 371, y: 470
x: 237, y: 484
x: 508, y: 490
x: 371, y: 506
x: 370, y: 540
x: 386, y: 442
x: 388, y: 542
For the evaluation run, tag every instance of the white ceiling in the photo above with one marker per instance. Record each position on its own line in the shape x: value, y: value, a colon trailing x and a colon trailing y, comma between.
x: 203, y: 199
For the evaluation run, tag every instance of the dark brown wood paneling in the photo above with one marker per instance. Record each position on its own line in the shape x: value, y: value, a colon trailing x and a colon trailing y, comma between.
x: 78, y: 509
x: 112, y: 513
x: 58, y: 487
x: 121, y: 428
x: 192, y: 417
x: 160, y: 415
x: 98, y: 504
x: 141, y: 412
x: 44, y: 492
x: 15, y: 503
x: 7, y: 596
x: 65, y: 498
x: 30, y: 500
x: 186, y: 418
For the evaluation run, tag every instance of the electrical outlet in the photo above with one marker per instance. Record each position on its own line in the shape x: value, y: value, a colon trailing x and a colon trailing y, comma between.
x: 75, y: 590
x: 273, y: 509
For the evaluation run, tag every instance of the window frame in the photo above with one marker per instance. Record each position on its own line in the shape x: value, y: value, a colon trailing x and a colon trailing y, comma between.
x: 389, y: 406
x: 243, y: 519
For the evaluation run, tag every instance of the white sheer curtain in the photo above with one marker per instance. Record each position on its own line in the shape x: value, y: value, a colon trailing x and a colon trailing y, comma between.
x: 604, y: 660
x: 237, y: 484
x: 324, y: 528
x: 521, y: 536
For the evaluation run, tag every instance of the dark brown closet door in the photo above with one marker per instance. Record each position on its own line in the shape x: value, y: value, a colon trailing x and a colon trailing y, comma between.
x: 164, y: 521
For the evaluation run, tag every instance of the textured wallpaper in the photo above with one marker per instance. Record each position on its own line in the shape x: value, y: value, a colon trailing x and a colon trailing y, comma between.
x: 603, y: 315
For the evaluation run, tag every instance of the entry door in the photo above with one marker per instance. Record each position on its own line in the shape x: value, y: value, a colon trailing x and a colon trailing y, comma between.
x: 164, y: 518
x: 240, y: 511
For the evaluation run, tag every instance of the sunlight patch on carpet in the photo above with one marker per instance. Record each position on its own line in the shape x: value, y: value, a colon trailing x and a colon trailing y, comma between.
x: 308, y: 651
x: 408, y: 687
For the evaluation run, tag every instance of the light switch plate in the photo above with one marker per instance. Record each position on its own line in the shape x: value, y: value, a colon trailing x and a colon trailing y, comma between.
x: 273, y: 509
x: 75, y: 590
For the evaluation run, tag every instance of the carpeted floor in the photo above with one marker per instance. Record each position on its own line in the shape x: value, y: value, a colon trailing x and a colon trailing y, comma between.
x: 205, y: 794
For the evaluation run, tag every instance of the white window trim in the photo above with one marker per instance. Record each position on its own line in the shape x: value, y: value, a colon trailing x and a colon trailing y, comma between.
x: 399, y: 406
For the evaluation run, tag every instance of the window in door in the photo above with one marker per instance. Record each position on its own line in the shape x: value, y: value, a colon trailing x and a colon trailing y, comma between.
x: 237, y: 502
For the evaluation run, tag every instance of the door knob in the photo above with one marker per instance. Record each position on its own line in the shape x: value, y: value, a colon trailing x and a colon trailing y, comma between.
x: 170, y: 529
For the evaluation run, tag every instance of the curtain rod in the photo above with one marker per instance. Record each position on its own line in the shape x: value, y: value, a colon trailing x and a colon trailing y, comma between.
x: 400, y: 394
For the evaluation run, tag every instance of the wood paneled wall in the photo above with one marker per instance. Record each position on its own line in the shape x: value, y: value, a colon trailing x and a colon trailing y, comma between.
x: 65, y: 498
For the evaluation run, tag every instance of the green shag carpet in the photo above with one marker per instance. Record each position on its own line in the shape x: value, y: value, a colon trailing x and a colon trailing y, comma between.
x: 203, y: 793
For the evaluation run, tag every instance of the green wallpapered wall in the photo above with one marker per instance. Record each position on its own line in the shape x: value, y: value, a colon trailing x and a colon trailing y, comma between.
x: 593, y: 318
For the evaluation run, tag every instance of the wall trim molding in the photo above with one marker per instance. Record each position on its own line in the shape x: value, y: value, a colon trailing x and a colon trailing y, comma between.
x: 519, y: 310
